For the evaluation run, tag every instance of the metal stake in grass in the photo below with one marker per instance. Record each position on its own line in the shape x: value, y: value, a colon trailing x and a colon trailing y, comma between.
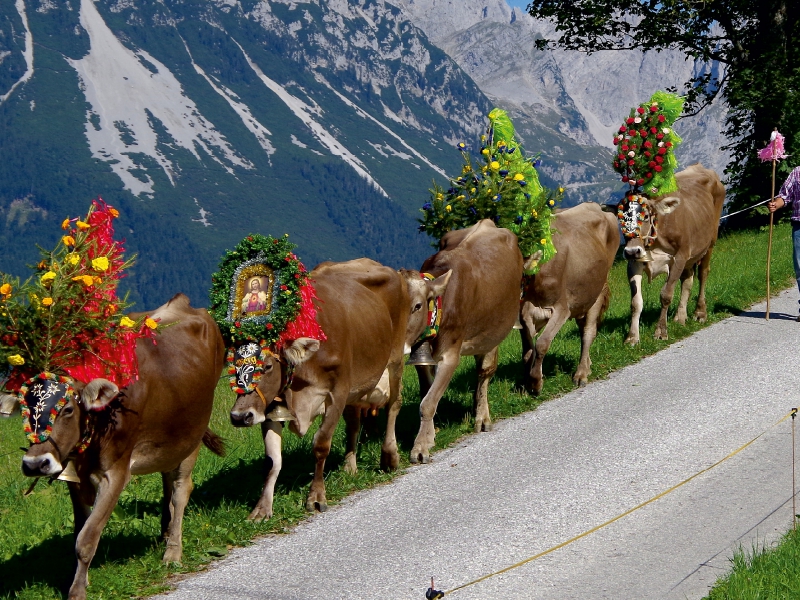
x: 794, y: 488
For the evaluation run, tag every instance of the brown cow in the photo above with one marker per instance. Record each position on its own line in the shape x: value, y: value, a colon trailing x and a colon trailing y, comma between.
x: 571, y: 285
x: 155, y: 425
x: 686, y: 231
x: 479, y: 309
x: 369, y: 316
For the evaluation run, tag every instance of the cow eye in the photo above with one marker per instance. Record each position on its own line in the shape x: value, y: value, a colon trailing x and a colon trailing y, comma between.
x: 67, y: 411
x: 268, y: 366
x: 417, y: 306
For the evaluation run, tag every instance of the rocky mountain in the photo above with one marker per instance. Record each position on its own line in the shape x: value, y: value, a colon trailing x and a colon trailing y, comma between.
x: 205, y: 120
x: 565, y: 104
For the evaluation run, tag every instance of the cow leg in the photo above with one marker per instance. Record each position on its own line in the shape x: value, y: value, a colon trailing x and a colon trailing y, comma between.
x: 635, y: 269
x: 390, y: 458
x: 272, y: 431
x: 426, y: 437
x: 667, y: 292
x: 322, y: 446
x: 82, y: 501
x: 110, y: 487
x: 554, y: 325
x: 588, y: 331
x: 528, y: 337
x: 178, y: 487
x: 687, y: 281
x: 425, y: 374
x: 487, y: 367
x: 700, y: 313
x: 352, y: 419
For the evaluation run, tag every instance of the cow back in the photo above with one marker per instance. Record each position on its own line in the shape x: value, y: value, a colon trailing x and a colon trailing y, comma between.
x: 482, y: 299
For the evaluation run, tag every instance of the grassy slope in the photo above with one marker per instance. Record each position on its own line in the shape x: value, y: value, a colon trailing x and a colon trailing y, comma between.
x: 36, y: 530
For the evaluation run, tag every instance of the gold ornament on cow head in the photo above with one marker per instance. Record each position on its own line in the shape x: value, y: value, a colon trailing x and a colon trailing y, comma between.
x: 261, y: 297
x: 65, y: 324
x: 645, y: 158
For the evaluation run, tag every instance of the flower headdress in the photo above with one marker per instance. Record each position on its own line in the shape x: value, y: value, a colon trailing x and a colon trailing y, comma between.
x: 502, y: 185
x: 261, y: 298
x: 646, y: 145
x: 65, y: 323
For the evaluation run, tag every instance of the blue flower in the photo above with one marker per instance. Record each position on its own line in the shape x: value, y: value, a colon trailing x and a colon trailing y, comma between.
x: 472, y: 210
x: 518, y: 220
x: 511, y: 150
x: 496, y: 218
x: 421, y: 228
x: 426, y: 206
x: 496, y: 198
x: 538, y: 162
x: 523, y: 183
x: 451, y: 191
x: 503, y: 172
x: 527, y: 196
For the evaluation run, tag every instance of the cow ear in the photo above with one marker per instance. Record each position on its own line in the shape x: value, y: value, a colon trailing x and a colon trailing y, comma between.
x: 666, y: 205
x: 8, y: 405
x: 436, y: 287
x: 532, y: 260
x: 98, y: 393
x: 300, y: 350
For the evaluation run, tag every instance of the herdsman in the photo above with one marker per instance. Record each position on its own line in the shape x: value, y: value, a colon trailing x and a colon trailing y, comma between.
x: 790, y: 196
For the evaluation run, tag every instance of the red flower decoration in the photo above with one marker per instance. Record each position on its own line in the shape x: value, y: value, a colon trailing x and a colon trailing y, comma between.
x: 661, y: 118
x: 629, y: 120
x: 658, y: 168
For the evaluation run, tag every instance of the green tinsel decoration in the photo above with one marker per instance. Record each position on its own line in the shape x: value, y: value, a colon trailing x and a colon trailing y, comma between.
x: 502, y: 185
x: 646, y: 145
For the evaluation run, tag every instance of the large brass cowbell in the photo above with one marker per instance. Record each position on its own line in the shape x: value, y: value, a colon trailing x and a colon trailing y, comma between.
x: 421, y: 355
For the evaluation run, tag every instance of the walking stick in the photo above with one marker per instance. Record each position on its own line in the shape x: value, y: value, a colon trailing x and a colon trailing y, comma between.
x: 774, y: 152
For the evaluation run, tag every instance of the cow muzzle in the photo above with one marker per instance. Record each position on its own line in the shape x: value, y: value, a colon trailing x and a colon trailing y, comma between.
x: 42, y: 465
x: 246, y: 418
x: 638, y: 253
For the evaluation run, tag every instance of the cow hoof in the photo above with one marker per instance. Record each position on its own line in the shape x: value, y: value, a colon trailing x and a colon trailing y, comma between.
x: 632, y: 340
x: 579, y: 383
x: 260, y: 514
x: 172, y: 556
x: 700, y: 317
x: 482, y: 426
x: 350, y: 467
x: 316, y: 505
x: 660, y: 335
x: 389, y: 461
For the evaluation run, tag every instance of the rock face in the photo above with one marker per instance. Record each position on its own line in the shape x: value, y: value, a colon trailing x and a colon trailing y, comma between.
x: 565, y: 105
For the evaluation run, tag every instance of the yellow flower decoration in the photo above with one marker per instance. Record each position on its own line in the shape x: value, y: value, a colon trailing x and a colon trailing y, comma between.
x: 552, y: 202
x: 495, y: 165
x: 485, y: 151
x: 519, y: 177
x: 113, y: 212
x: 16, y: 360
x: 47, y: 278
x: 561, y: 190
x: 68, y: 240
x: 151, y: 323
x: 100, y: 264
x: 439, y: 196
x: 47, y: 301
x: 87, y: 280
x: 543, y: 241
x: 72, y: 258
x: 65, y: 223
x: 82, y: 225
x: 448, y: 208
x: 126, y: 322
x: 5, y: 289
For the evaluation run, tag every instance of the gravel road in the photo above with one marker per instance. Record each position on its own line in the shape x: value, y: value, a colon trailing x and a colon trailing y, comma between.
x: 544, y: 477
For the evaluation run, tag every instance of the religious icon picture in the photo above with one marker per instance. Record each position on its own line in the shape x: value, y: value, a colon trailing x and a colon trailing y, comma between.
x: 254, y: 291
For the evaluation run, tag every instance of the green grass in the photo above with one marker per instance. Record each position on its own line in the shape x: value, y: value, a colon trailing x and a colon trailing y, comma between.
x: 36, y: 545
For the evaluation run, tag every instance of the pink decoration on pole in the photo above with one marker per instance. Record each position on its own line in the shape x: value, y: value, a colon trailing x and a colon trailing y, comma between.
x: 774, y: 150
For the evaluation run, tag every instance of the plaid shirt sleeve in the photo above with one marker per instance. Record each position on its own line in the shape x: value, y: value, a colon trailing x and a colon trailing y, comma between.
x: 790, y: 192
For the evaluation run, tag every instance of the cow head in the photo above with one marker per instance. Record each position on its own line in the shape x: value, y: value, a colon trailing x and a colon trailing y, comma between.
x: 422, y: 292
x: 637, y: 216
x: 270, y: 384
x: 55, y: 411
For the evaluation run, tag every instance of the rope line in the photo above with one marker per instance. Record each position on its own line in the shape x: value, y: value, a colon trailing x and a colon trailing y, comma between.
x: 625, y: 514
x: 745, y: 209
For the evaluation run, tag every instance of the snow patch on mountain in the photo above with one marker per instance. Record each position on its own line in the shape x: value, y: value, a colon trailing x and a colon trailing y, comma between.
x: 27, y: 53
x: 304, y: 112
x: 128, y: 101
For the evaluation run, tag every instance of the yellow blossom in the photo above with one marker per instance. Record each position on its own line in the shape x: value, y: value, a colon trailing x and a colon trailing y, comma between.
x: 485, y: 151
x: 47, y: 278
x: 495, y: 165
x: 82, y: 225
x: 68, y: 240
x: 113, y: 212
x: 47, y: 301
x: 126, y: 322
x: 543, y: 241
x: 87, y: 280
x: 439, y: 196
x: 560, y: 190
x: 65, y: 223
x: 100, y: 263
x: 151, y: 323
x: 519, y: 177
x: 448, y: 208
x: 72, y: 258
x: 461, y: 197
x: 552, y: 202
x: 472, y: 191
x: 16, y: 360
x: 5, y: 289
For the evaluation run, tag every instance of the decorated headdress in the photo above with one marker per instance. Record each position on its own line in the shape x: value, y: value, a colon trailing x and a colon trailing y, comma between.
x: 502, y: 185
x: 646, y: 145
x: 65, y: 323
x: 261, y: 298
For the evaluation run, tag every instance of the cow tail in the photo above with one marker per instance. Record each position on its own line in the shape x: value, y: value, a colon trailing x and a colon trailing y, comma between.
x: 214, y: 442
x: 606, y: 294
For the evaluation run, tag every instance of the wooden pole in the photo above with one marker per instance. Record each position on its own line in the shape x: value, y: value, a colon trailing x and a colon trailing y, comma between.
x: 771, y: 215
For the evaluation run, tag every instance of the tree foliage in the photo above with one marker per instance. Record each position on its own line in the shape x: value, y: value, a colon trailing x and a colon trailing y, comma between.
x: 752, y: 63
